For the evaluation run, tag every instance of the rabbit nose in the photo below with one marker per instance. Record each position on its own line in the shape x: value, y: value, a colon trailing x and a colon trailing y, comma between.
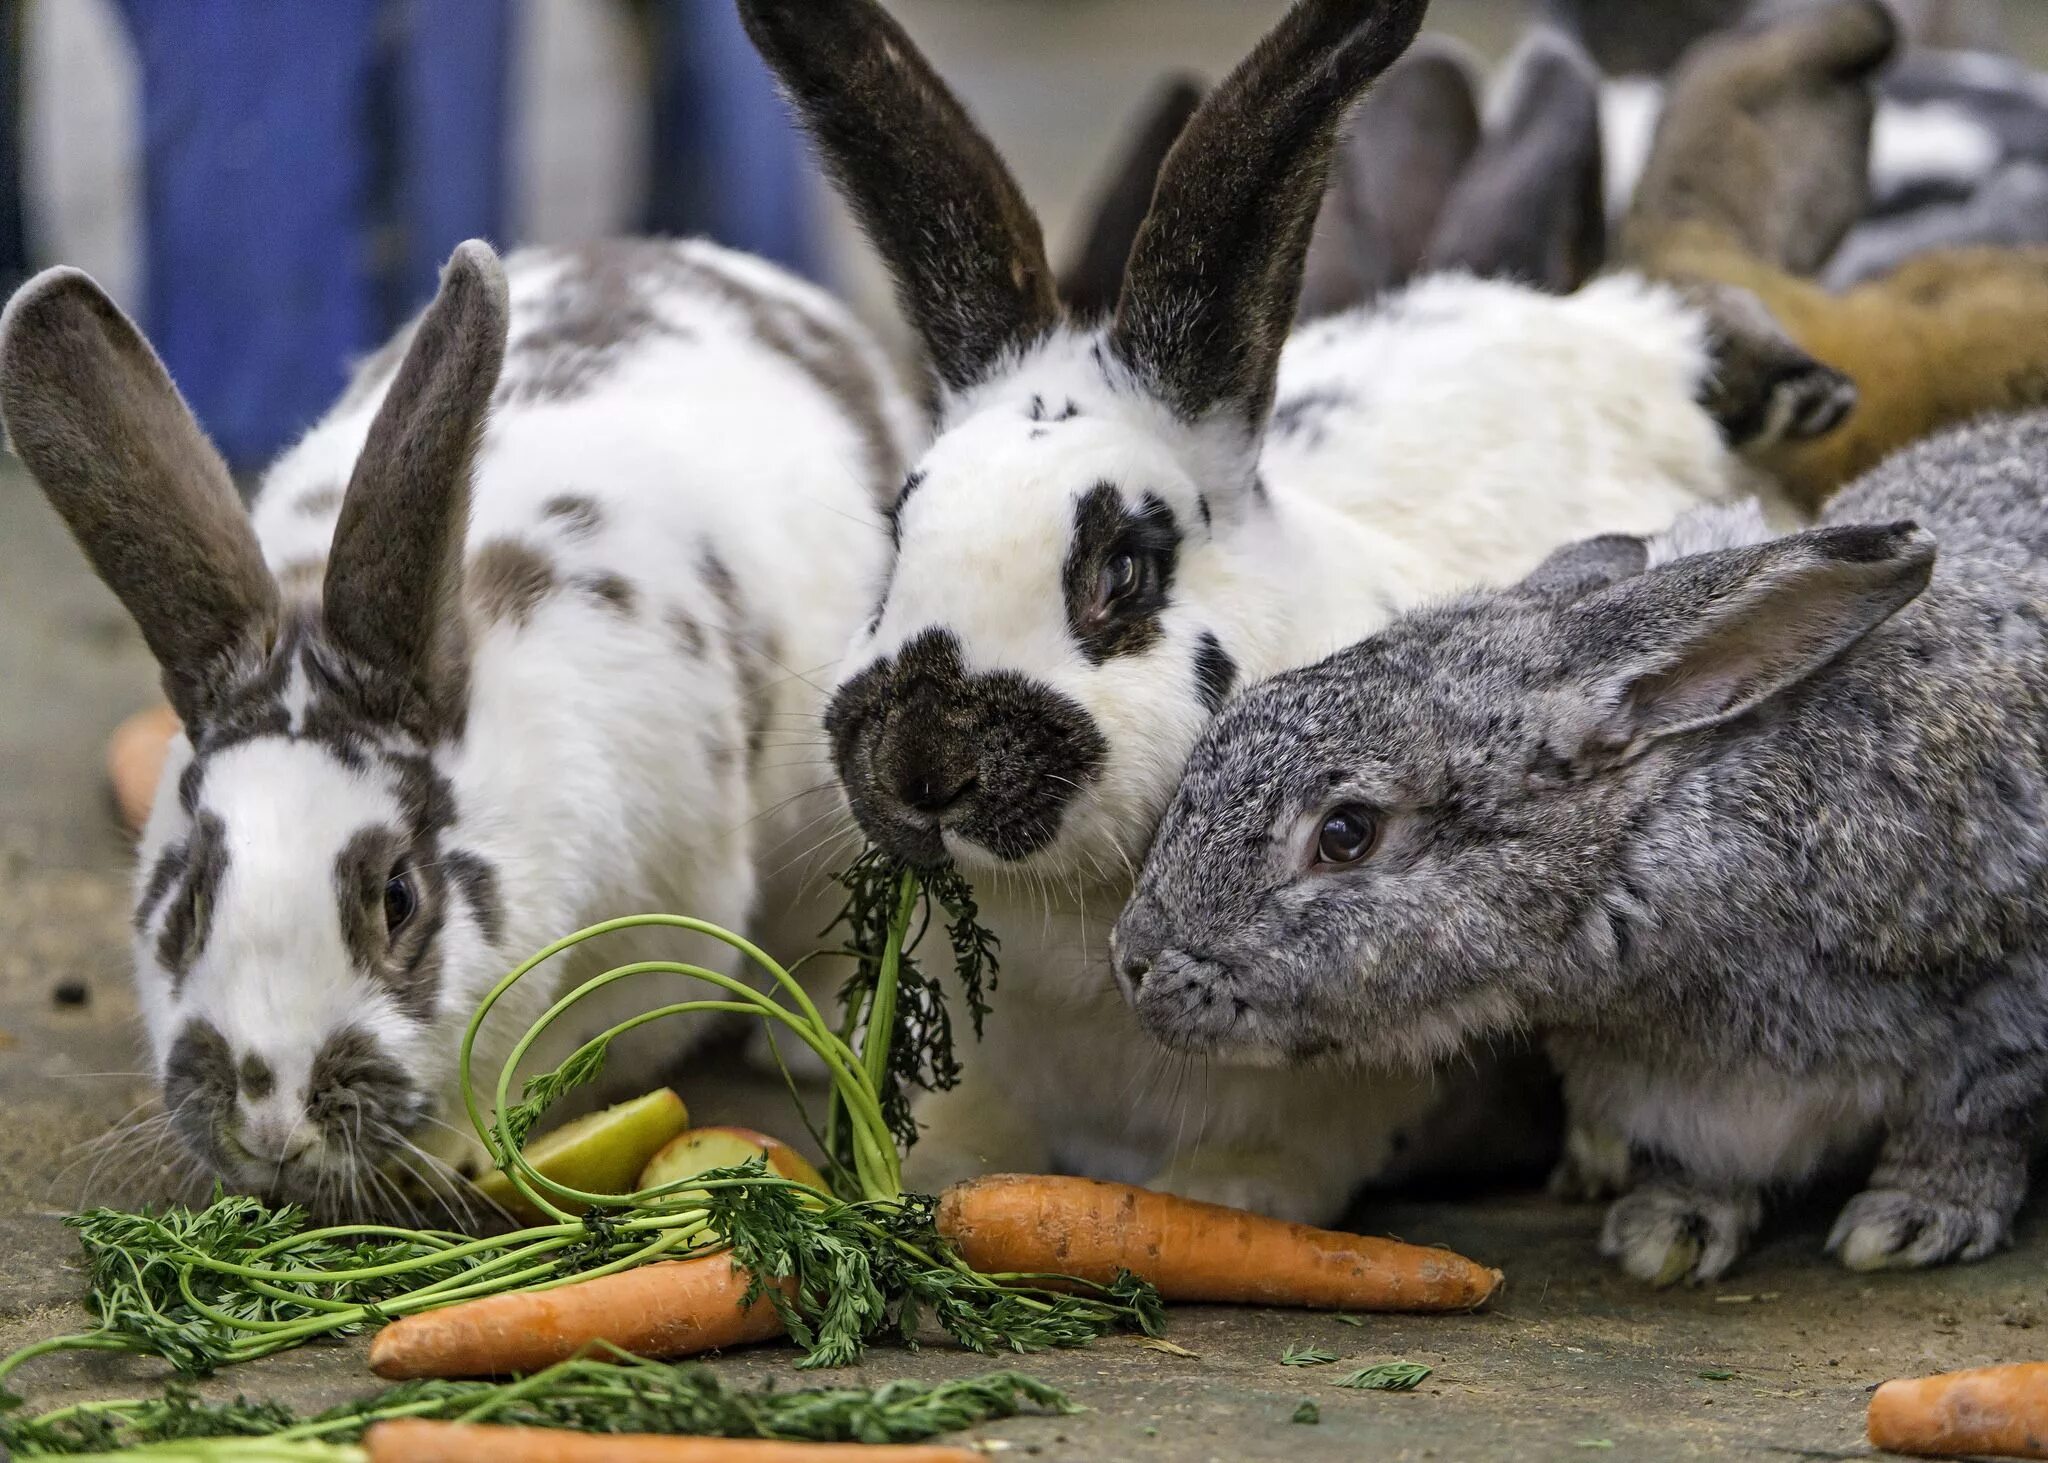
x: 1135, y: 969
x: 933, y: 790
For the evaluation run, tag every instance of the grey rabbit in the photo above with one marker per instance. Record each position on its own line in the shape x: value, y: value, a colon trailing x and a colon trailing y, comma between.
x: 1753, y: 830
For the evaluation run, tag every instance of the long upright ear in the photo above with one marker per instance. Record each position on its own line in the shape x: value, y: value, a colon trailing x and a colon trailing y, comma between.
x: 1398, y: 158
x: 1704, y: 640
x: 390, y: 596
x: 964, y: 247
x: 1211, y: 293
x: 1091, y: 282
x: 1532, y: 206
x: 96, y: 419
x: 1765, y: 136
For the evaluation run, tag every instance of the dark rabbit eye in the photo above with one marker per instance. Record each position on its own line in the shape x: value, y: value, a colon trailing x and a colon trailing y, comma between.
x: 400, y: 900
x: 1119, y: 577
x: 1348, y: 834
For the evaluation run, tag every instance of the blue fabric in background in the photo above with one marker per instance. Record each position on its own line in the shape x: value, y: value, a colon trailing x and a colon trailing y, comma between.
x: 308, y: 165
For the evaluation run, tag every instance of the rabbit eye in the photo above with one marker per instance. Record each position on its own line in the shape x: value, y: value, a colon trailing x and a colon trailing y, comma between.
x: 1119, y: 577
x: 1348, y: 834
x: 401, y: 899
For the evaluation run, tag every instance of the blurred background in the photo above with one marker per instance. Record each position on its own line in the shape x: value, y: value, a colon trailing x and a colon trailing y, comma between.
x: 270, y: 185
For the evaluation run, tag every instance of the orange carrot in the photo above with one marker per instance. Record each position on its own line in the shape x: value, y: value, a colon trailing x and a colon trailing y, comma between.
x: 1994, y: 1411
x: 416, y: 1441
x: 674, y: 1308
x: 1196, y: 1252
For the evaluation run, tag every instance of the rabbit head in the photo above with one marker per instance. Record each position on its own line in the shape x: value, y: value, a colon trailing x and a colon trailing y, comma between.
x: 1049, y: 643
x: 295, y: 905
x: 1436, y: 835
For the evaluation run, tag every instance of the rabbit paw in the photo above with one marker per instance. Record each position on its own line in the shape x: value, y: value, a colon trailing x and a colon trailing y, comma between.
x: 1596, y: 1166
x: 1283, y: 1185
x: 1896, y: 1229
x: 1665, y: 1234
x: 1805, y: 402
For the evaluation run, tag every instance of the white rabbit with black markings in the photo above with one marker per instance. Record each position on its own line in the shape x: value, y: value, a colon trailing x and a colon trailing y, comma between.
x: 1121, y: 521
x: 507, y: 647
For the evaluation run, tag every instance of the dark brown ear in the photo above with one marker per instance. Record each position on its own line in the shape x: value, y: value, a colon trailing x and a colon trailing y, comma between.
x: 1766, y: 135
x: 1532, y: 205
x: 390, y: 597
x: 1091, y: 283
x: 96, y: 419
x: 1211, y: 292
x: 1398, y: 158
x: 964, y: 247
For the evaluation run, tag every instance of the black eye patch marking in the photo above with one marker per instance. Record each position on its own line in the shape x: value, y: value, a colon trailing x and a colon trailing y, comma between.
x: 1215, y: 672
x: 479, y: 884
x: 407, y: 963
x: 166, y: 872
x: 190, y: 920
x: 1104, y: 529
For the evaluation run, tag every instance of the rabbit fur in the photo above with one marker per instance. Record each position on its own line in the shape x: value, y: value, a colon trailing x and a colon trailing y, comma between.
x: 523, y: 635
x: 1123, y: 520
x: 1748, y: 827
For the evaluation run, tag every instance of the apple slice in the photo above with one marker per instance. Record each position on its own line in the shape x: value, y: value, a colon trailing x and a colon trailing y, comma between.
x: 599, y: 1153
x: 702, y: 1149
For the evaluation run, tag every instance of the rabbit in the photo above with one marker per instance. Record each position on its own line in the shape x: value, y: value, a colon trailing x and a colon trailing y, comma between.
x: 2009, y: 211
x: 1751, y: 185
x: 504, y: 648
x: 1123, y: 520
x: 1748, y: 826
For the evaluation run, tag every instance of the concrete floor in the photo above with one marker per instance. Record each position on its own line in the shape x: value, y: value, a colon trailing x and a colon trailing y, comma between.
x: 1575, y: 1358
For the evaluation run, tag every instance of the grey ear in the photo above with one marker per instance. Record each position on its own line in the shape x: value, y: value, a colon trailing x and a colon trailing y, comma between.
x: 1398, y: 158
x: 1532, y: 206
x: 1706, y: 639
x: 96, y: 419
x: 1766, y: 134
x: 1090, y: 284
x: 390, y: 597
x: 1210, y: 296
x: 964, y: 247
x: 1591, y: 564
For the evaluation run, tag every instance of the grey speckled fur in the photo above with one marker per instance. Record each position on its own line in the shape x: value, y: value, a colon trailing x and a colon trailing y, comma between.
x: 1754, y: 832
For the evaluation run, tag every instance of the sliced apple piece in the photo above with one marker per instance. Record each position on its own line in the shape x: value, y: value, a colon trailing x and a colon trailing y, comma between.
x: 702, y: 1149
x: 599, y: 1153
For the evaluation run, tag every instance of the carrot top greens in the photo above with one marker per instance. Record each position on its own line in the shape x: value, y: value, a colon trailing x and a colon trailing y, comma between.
x: 238, y: 1279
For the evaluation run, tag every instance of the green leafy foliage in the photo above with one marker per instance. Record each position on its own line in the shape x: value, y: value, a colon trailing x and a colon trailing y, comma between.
x: 1307, y: 1413
x: 1391, y: 1376
x: 920, y: 1027
x: 584, y: 1066
x: 626, y: 1395
x: 1307, y: 1356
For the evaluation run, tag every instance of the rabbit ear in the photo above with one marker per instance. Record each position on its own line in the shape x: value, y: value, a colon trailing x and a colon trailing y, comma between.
x: 1532, y: 206
x: 964, y: 247
x: 96, y: 419
x: 1211, y: 292
x: 390, y: 596
x: 1706, y: 639
x: 1397, y: 161
x: 1766, y: 136
x: 1090, y: 285
x: 1588, y: 565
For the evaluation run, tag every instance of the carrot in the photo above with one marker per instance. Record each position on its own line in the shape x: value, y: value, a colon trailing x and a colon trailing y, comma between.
x: 1993, y: 1411
x: 673, y: 1308
x: 1196, y: 1252
x: 413, y: 1440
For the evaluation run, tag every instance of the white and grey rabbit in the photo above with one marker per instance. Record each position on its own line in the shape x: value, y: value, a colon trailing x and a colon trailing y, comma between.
x: 1750, y: 828
x: 1123, y: 519
x: 508, y: 646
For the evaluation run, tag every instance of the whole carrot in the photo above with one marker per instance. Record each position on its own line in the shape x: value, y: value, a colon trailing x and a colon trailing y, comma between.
x: 416, y: 1441
x: 674, y: 1308
x: 1993, y: 1411
x: 1193, y: 1251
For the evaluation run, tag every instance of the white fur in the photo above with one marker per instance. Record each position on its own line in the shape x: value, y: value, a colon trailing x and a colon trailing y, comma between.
x: 1480, y: 425
x: 589, y: 774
